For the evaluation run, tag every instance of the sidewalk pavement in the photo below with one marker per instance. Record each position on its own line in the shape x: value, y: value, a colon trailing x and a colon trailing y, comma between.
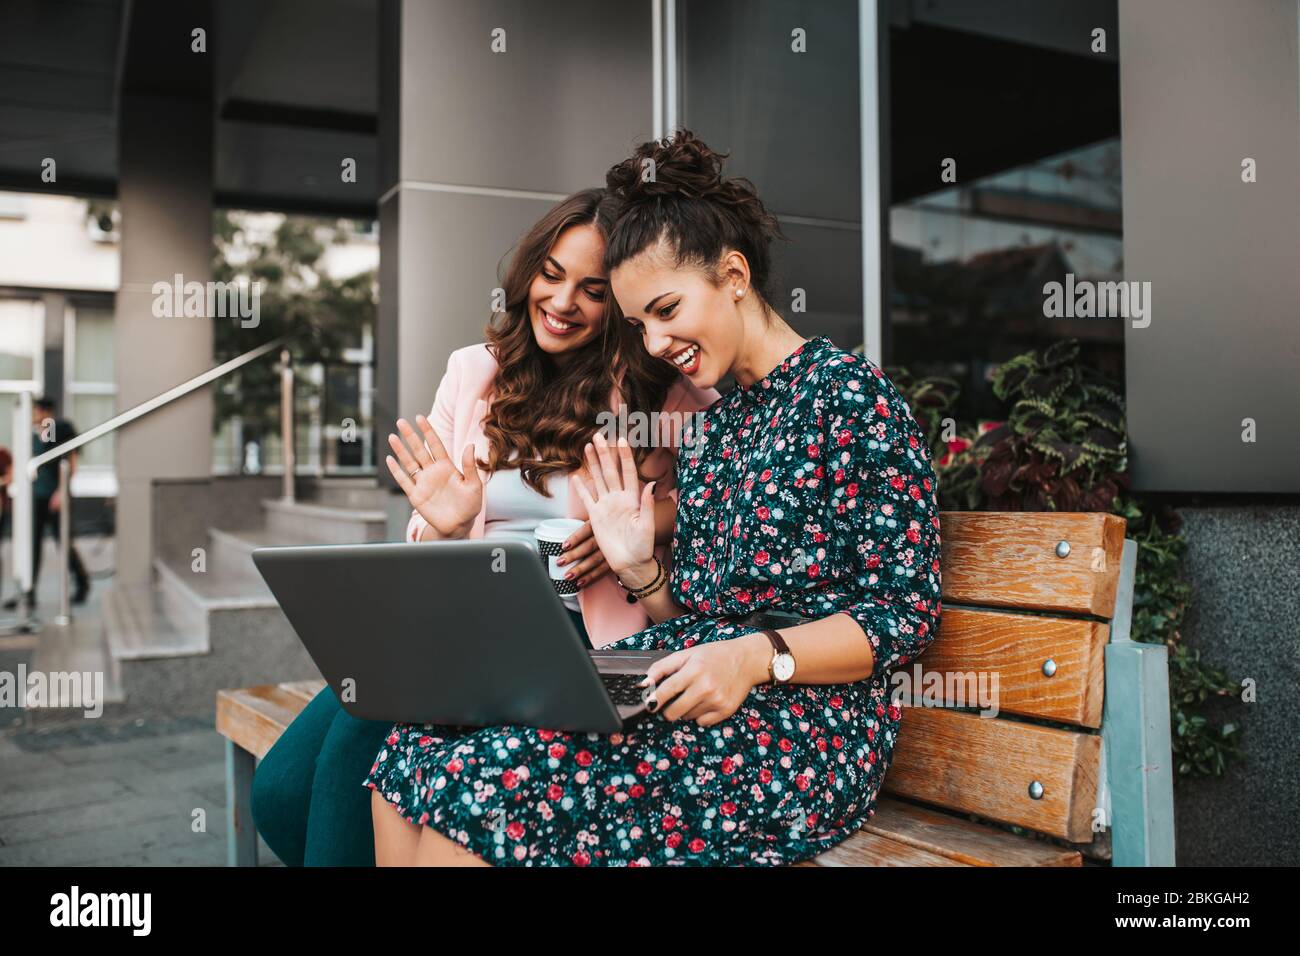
x: 117, y: 790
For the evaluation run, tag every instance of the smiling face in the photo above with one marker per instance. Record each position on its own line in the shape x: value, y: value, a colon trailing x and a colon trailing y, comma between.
x: 682, y: 316
x: 566, y: 301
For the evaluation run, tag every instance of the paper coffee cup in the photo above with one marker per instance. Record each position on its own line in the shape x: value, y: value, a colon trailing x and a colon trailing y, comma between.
x: 551, y: 535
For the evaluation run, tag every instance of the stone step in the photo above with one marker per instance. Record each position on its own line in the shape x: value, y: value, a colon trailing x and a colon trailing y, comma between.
x: 362, y: 494
x: 231, y: 552
x: 138, y: 627
x: 190, y: 598
x: 80, y: 647
x: 305, y: 523
x: 192, y: 634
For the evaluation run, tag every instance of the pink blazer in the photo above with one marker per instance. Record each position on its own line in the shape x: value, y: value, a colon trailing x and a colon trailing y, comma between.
x: 457, y: 416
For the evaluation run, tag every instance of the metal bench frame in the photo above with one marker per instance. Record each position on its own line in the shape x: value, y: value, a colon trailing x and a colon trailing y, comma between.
x: 1136, y: 792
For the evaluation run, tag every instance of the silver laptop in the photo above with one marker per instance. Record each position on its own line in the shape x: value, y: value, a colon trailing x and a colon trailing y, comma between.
x: 468, y: 633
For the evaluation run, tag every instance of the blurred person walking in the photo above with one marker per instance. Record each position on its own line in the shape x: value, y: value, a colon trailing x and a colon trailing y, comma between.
x: 6, y: 468
x: 49, y: 432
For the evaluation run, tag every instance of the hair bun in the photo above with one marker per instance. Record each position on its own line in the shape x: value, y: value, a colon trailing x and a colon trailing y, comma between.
x: 672, y: 191
x: 681, y: 166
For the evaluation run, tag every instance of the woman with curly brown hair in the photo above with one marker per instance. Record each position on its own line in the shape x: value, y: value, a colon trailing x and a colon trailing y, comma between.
x: 807, y: 493
x: 512, y: 415
x: 493, y: 458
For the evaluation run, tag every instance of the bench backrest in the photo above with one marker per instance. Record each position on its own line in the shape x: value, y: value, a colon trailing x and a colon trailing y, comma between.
x: 1031, y: 599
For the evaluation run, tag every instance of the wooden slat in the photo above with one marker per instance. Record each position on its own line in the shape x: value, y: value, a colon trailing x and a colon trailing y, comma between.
x: 306, y: 689
x: 1011, y: 648
x: 984, y: 766
x: 869, y: 849
x: 971, y: 844
x: 254, y: 717
x: 1008, y: 559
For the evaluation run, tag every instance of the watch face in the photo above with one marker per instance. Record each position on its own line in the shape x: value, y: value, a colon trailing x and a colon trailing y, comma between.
x: 783, y: 667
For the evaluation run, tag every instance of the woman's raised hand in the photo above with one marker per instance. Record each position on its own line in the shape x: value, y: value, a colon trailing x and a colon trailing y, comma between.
x: 447, y: 497
x: 621, y: 512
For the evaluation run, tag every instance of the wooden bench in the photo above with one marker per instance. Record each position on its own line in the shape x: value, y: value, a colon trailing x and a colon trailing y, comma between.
x: 1078, y: 755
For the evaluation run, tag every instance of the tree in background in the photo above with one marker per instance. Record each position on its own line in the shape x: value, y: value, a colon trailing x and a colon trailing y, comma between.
x: 322, y: 315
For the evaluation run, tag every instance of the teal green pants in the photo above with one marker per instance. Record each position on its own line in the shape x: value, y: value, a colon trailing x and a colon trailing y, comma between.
x: 308, y: 802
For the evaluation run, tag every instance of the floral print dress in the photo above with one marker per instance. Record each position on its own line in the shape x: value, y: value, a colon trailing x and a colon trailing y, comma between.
x: 809, y: 491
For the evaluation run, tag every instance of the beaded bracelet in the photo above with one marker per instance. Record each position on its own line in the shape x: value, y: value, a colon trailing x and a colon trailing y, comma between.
x: 636, y: 594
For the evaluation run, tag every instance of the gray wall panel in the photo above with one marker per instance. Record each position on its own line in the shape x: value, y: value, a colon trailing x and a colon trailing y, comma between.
x: 790, y: 120
x: 827, y: 264
x: 1237, y: 819
x: 1205, y: 84
x: 448, y: 248
x: 569, y: 98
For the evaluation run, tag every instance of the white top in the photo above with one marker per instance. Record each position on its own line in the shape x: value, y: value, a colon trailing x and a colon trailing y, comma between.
x: 513, y: 509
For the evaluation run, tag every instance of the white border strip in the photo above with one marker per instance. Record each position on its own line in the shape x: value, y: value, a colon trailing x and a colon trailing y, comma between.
x: 468, y: 191
x: 657, y: 67
x: 670, y: 66
x: 869, y: 126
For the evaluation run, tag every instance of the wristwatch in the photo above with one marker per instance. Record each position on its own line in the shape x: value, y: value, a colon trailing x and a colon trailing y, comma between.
x: 781, y: 667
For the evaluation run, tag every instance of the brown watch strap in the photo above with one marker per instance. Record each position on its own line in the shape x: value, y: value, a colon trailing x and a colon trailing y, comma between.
x: 777, y: 641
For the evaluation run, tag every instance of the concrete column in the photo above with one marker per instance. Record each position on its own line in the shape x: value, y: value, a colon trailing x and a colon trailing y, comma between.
x: 475, y: 145
x: 165, y: 190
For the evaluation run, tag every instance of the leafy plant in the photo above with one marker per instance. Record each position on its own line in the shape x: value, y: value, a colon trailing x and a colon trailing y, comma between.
x: 1063, y: 446
x: 1201, y: 748
x: 1160, y: 600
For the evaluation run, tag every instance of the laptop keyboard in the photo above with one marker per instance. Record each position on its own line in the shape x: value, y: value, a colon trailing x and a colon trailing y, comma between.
x: 623, y: 689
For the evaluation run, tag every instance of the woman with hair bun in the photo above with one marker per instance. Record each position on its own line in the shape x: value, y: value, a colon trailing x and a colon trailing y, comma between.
x: 495, y: 457
x: 807, y: 492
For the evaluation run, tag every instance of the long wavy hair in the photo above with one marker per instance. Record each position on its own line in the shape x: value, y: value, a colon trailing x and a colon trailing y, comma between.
x: 542, y: 413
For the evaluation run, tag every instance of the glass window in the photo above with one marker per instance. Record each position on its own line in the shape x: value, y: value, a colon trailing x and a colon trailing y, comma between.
x: 970, y: 264
x: 93, y: 346
x: 91, y: 386
x: 7, y: 402
x: 87, y: 411
x: 21, y: 338
x: 21, y: 331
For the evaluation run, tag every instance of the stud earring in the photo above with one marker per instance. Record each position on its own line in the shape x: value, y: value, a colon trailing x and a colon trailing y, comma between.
x: 739, y: 293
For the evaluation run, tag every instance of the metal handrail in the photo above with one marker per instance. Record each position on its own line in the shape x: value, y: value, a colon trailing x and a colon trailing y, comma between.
x: 147, y: 406
x: 25, y: 472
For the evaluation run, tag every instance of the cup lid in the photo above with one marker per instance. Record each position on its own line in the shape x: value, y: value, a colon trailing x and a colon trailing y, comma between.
x: 557, y: 528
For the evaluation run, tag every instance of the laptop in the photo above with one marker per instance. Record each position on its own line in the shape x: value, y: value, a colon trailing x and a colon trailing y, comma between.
x: 469, y: 633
